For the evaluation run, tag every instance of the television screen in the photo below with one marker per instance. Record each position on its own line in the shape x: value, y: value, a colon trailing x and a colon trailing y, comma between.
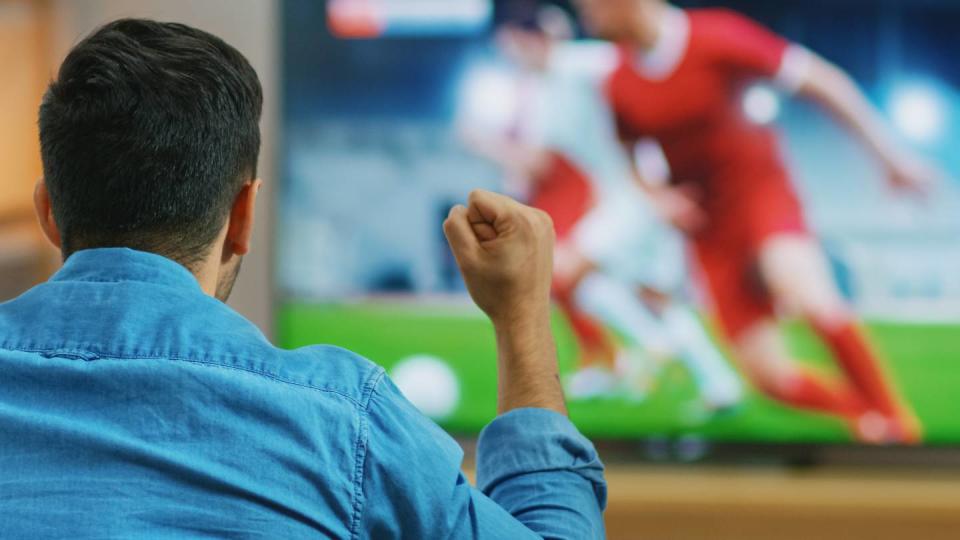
x: 756, y: 205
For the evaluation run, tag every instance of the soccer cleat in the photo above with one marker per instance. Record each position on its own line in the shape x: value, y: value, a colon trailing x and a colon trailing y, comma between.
x: 906, y: 429
x: 873, y: 427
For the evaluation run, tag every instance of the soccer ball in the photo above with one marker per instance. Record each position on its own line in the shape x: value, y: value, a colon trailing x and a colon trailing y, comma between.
x: 429, y: 383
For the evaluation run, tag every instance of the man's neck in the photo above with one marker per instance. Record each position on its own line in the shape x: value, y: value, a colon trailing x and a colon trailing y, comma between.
x: 207, y: 273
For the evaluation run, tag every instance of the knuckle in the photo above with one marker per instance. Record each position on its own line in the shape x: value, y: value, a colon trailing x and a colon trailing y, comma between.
x: 477, y: 195
x: 530, y: 219
x: 539, y: 220
x: 546, y: 219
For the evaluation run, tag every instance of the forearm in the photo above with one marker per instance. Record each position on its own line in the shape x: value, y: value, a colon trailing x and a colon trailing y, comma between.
x: 836, y: 92
x: 527, y: 368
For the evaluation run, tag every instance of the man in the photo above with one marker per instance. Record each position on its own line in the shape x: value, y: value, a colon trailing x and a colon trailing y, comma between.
x: 680, y: 81
x: 134, y: 403
x: 616, y: 262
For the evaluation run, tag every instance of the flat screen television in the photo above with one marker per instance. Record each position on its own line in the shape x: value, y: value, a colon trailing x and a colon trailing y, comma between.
x: 385, y: 102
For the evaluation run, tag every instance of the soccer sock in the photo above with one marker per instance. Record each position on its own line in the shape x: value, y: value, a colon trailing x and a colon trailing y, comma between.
x: 713, y: 375
x: 861, y: 364
x: 809, y: 390
x: 616, y: 305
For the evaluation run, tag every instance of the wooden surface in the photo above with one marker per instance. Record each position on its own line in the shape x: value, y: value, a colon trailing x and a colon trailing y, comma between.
x: 777, y: 503
x: 782, y: 504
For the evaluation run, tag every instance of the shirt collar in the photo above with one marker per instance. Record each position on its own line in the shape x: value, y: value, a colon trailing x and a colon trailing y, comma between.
x: 122, y: 264
x: 661, y: 60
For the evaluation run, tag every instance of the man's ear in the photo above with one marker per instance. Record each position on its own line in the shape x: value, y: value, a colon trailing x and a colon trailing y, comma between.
x: 240, y: 229
x: 44, y: 210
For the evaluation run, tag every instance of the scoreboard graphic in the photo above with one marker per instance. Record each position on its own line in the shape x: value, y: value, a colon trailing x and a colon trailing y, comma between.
x: 370, y: 19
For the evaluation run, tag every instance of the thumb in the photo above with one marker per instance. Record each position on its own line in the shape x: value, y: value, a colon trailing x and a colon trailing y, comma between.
x: 460, y: 235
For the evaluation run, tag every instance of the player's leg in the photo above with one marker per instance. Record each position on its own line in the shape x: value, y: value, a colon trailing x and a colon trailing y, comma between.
x: 748, y: 319
x: 796, y: 272
x: 763, y: 355
x: 718, y: 383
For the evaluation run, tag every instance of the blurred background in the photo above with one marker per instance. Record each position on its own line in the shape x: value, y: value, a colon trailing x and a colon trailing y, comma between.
x: 361, y: 161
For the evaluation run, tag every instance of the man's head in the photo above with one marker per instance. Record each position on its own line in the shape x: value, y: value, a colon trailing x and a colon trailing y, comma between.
x: 150, y: 138
x: 527, y: 40
x: 618, y: 20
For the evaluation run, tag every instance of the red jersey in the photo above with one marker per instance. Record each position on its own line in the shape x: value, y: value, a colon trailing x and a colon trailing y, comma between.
x: 687, y: 93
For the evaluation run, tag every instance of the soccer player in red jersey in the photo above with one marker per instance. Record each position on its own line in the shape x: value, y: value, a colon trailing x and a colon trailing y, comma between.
x: 681, y: 81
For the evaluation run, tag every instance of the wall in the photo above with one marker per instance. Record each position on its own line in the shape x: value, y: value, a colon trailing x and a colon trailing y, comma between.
x: 252, y: 27
x: 22, y: 65
x: 25, y: 258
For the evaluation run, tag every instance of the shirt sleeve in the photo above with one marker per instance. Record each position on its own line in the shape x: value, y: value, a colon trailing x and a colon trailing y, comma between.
x: 744, y: 45
x: 538, y: 477
x: 538, y: 467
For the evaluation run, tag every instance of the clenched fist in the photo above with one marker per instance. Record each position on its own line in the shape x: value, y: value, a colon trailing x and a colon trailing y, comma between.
x: 505, y: 253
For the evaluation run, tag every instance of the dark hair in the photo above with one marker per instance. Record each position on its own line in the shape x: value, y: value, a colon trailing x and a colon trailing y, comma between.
x: 147, y: 136
x: 529, y: 14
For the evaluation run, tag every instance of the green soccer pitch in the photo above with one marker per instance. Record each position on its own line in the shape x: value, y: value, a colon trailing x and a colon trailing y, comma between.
x: 923, y: 359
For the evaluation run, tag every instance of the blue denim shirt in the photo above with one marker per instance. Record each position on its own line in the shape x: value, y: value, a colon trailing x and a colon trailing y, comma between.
x: 132, y: 405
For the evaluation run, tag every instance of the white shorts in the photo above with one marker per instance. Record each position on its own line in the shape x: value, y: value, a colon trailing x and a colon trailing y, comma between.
x: 624, y: 237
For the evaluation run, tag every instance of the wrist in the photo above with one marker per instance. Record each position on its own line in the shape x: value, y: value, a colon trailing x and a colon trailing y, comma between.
x: 522, y: 320
x: 526, y: 343
x: 527, y: 370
